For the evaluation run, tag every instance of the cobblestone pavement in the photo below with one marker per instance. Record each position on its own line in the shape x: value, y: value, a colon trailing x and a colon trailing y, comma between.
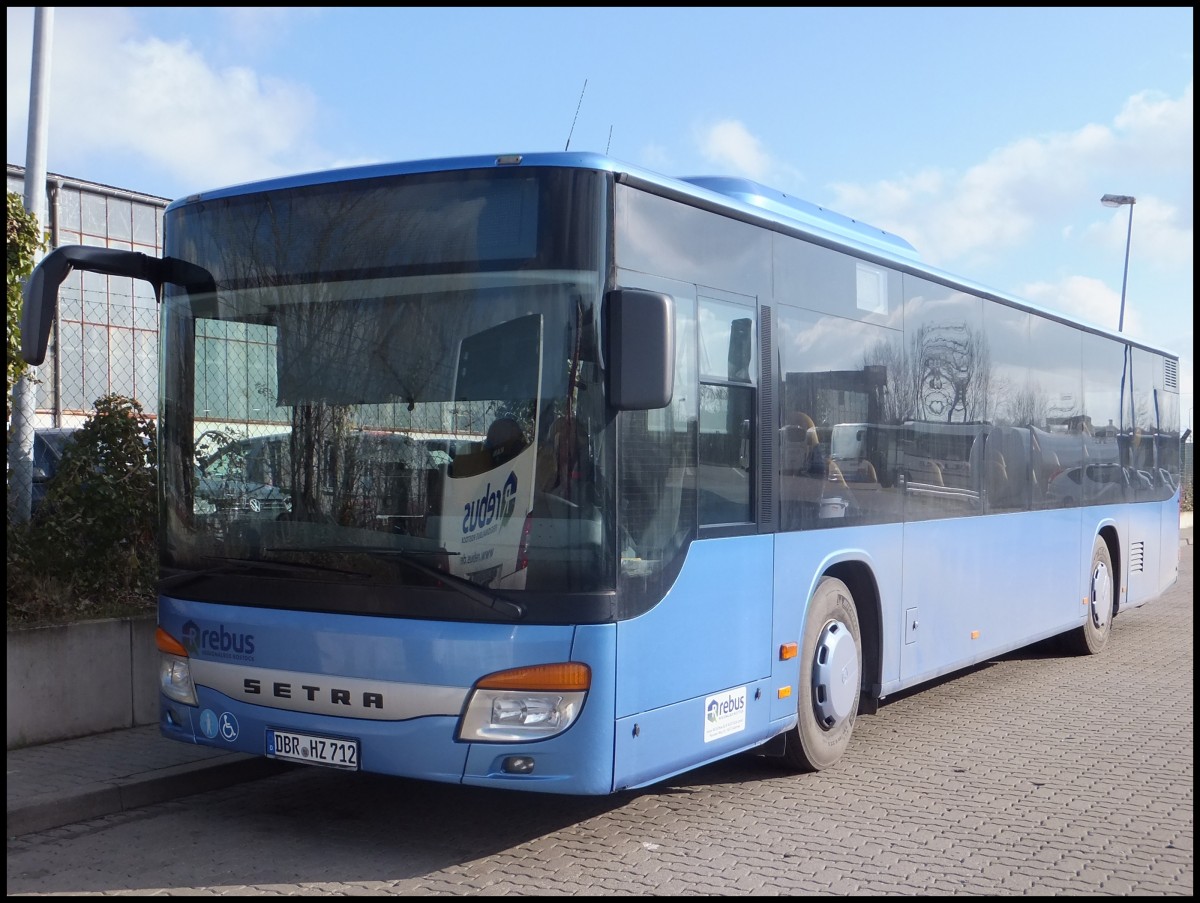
x: 1032, y: 774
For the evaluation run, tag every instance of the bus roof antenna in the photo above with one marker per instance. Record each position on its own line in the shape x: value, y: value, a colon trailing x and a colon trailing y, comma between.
x: 609, y: 145
x: 577, y: 106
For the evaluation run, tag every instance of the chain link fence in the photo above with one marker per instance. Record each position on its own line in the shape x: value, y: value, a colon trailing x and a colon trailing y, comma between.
x: 106, y: 327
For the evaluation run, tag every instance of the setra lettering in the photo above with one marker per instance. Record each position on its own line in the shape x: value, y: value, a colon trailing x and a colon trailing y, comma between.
x: 337, y: 696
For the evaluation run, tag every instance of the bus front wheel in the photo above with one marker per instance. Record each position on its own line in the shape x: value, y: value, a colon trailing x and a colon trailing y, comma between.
x: 1092, y: 636
x: 830, y: 679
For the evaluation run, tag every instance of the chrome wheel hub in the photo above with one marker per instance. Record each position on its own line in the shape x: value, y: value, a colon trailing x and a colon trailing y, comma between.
x: 1102, y: 595
x: 835, y: 675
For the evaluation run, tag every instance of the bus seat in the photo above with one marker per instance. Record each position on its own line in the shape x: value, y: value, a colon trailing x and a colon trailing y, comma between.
x: 802, y: 420
x: 504, y: 440
x: 796, y: 441
x: 866, y: 474
x: 997, y: 480
x: 1052, y: 468
x: 470, y: 463
x: 836, y: 476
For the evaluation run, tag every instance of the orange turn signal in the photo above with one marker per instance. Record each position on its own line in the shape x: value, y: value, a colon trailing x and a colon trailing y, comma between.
x: 167, y: 643
x: 565, y: 676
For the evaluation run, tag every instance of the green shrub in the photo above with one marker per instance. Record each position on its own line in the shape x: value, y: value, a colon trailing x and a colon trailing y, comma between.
x: 91, y: 550
x: 24, y: 242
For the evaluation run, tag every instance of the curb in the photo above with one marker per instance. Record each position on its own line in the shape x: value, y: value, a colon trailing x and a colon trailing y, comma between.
x: 54, y: 810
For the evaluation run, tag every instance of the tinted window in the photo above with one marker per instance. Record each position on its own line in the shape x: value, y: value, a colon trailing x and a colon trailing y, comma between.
x: 839, y: 423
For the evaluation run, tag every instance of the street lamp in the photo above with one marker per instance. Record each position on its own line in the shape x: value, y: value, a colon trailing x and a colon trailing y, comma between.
x: 1120, y: 200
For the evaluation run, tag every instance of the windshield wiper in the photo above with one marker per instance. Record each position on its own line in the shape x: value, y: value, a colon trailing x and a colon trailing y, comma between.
x: 462, y: 585
x: 242, y: 565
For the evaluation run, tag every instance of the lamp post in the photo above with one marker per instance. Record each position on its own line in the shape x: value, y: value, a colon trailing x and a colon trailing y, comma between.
x: 1120, y: 200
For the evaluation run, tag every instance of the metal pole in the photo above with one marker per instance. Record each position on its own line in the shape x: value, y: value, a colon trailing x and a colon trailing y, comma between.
x: 20, y: 451
x: 1125, y: 274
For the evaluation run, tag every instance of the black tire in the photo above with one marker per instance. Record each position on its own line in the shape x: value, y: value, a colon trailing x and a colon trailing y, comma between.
x: 1092, y: 636
x: 830, y: 679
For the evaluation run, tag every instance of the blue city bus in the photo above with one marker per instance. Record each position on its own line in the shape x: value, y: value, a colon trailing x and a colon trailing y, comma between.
x: 547, y: 445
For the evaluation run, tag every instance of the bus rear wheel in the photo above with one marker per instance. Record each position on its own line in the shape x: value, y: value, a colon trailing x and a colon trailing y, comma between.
x: 1092, y: 636
x: 830, y: 679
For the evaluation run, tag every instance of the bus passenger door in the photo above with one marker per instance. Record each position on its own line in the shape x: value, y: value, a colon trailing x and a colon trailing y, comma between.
x: 693, y: 667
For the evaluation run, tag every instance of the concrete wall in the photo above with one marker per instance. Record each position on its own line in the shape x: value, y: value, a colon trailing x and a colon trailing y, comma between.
x: 80, y: 679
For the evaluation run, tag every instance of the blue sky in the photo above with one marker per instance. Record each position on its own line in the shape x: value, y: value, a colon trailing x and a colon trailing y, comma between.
x: 985, y: 136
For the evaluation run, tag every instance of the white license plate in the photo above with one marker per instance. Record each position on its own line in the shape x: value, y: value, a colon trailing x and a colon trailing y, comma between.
x: 312, y: 750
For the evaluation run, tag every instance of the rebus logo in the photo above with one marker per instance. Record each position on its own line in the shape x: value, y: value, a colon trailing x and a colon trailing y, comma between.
x: 491, y: 506
x: 220, y: 642
x: 727, y: 706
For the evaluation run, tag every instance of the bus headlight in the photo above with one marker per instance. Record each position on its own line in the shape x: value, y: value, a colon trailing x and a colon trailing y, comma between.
x: 175, y: 679
x: 525, y: 703
x: 174, y: 669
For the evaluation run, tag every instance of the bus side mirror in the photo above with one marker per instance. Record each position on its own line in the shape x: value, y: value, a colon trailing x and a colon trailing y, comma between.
x: 38, y: 306
x: 41, y: 291
x: 639, y: 341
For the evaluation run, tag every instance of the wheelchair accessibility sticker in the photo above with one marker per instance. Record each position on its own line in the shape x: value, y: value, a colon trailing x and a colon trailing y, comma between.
x: 225, y: 724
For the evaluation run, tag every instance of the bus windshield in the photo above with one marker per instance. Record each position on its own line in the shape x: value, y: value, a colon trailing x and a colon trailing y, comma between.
x: 409, y: 396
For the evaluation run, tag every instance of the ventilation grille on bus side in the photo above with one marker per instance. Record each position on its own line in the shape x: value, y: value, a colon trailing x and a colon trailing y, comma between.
x: 1171, y: 374
x: 1137, y: 557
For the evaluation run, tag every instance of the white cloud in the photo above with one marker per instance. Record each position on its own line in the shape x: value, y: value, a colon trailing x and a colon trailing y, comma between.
x: 1156, y: 129
x: 1161, y: 234
x: 1000, y: 202
x: 200, y: 123
x: 729, y: 144
x: 994, y: 205
x: 655, y: 156
x: 733, y: 149
x: 116, y: 91
x: 1082, y: 297
x: 255, y: 26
